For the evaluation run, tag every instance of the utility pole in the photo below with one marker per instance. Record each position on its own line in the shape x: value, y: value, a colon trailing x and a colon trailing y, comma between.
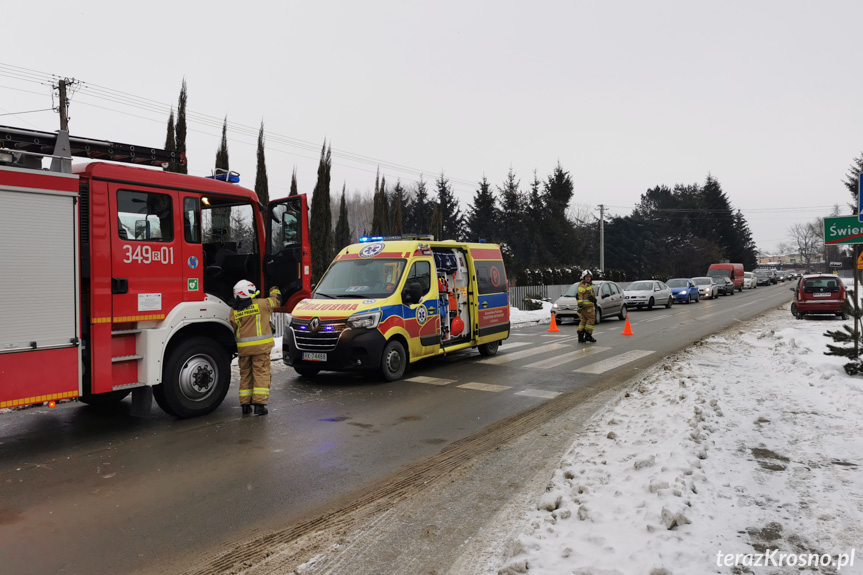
x: 62, y: 86
x: 601, y: 238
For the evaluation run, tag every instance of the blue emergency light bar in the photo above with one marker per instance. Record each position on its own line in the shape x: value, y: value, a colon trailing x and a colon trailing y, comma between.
x: 223, y: 176
x: 365, y: 239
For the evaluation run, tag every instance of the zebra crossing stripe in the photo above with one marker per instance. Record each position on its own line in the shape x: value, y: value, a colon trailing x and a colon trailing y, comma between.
x: 508, y: 357
x: 431, y: 380
x: 509, y: 345
x: 614, y: 362
x: 538, y: 393
x: 568, y: 357
x: 484, y: 386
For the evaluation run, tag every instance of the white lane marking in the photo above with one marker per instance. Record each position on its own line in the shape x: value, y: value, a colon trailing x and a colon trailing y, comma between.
x: 508, y: 357
x: 611, y: 363
x: 431, y: 380
x: 538, y: 393
x: 510, y: 345
x: 655, y: 319
x: 568, y: 357
x: 728, y: 310
x: 484, y: 386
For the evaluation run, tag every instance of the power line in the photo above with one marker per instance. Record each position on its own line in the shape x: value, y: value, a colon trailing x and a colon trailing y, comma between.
x: 28, y: 112
x: 97, y: 92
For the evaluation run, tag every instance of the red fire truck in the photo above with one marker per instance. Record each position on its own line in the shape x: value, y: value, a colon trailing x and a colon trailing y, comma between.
x: 117, y: 278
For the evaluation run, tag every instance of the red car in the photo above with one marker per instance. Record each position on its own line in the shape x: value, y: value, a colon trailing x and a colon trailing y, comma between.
x: 818, y: 294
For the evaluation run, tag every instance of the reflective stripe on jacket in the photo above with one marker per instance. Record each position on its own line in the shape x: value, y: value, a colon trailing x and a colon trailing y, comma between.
x: 585, y: 290
x: 252, y: 325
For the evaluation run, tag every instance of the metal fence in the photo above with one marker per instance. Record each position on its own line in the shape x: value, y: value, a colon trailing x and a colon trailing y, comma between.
x: 279, y: 320
x: 517, y: 294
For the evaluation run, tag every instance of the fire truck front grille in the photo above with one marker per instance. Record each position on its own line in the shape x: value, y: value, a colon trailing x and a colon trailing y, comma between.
x: 324, y: 338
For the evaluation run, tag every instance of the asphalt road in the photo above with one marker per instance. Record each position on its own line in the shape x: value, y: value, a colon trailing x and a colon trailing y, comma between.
x: 91, y: 491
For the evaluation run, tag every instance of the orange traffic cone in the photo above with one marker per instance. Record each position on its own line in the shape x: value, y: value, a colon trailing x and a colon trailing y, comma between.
x: 627, y: 329
x: 553, y: 324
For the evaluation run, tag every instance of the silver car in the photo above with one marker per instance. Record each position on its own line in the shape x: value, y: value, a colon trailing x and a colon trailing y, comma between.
x: 707, y: 287
x: 647, y: 293
x: 609, y: 301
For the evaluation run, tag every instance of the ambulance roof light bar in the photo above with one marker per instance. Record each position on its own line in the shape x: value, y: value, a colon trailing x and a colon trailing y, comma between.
x: 427, y: 237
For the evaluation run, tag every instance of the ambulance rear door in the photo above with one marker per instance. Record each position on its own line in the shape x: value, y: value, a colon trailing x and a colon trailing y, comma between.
x: 492, y: 294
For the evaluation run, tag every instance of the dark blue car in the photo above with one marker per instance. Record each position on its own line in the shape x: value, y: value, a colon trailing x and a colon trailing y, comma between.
x: 683, y: 290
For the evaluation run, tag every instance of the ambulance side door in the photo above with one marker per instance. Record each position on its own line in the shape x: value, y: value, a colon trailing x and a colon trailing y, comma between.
x: 422, y: 319
x: 492, y: 295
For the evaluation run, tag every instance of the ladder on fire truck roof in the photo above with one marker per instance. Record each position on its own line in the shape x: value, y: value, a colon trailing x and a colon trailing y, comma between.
x: 28, y: 147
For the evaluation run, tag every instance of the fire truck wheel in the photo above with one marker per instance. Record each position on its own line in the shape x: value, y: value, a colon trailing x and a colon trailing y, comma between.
x: 489, y: 349
x: 196, y: 378
x: 394, y: 360
x: 104, y: 399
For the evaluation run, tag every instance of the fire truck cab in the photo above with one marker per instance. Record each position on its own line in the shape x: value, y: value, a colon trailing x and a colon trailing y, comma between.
x: 117, y: 279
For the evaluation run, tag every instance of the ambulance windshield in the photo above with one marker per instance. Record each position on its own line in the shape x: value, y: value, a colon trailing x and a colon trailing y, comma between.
x: 362, y: 278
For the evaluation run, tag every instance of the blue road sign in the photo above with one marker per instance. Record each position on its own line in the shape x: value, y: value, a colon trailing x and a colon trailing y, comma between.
x: 859, y: 206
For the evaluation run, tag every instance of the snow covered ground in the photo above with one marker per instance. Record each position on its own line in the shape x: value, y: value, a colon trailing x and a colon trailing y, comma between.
x: 741, y: 455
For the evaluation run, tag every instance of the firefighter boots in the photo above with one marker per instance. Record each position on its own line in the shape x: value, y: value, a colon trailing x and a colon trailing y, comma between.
x: 580, y: 336
x: 261, y: 409
x: 589, y: 338
x: 247, y: 409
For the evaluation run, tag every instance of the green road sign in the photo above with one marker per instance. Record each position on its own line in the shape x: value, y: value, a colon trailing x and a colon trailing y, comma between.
x: 843, y: 230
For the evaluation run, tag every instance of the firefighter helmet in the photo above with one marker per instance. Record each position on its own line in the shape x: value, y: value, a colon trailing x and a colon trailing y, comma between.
x: 586, y: 273
x: 244, y: 289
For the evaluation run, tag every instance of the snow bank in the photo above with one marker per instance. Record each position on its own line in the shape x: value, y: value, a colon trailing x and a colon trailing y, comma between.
x: 518, y: 318
x: 745, y: 444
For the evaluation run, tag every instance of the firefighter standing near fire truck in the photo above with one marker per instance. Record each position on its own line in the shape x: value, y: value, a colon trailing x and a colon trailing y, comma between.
x: 250, y: 318
x: 586, y: 299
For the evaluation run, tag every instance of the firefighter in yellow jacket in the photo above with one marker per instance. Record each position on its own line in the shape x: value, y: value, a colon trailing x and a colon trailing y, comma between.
x: 250, y: 318
x: 586, y: 299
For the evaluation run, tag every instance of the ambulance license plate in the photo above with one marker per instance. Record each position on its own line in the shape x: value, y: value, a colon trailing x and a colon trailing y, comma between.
x: 314, y: 356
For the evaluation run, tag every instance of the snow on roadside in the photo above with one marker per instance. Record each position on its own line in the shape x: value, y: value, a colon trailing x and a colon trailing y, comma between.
x: 746, y: 443
x: 519, y: 318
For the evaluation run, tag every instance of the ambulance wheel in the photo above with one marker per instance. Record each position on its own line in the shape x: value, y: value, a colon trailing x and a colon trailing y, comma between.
x: 489, y: 349
x: 394, y: 360
x: 195, y: 380
x: 307, y: 371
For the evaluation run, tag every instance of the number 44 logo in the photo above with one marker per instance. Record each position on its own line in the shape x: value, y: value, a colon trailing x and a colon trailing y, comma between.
x: 193, y: 284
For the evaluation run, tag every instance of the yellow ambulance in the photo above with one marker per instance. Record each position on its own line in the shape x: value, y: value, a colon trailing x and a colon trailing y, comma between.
x: 385, y: 303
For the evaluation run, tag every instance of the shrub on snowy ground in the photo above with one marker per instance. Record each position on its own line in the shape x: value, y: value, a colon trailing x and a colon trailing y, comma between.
x: 845, y: 336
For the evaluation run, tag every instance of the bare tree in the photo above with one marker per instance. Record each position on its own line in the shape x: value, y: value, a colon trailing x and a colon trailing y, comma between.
x: 806, y: 239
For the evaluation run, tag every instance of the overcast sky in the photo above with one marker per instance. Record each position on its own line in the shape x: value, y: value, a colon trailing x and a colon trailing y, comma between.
x: 627, y: 95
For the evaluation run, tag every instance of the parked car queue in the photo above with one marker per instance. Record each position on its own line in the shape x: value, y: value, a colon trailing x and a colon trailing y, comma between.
x: 616, y: 301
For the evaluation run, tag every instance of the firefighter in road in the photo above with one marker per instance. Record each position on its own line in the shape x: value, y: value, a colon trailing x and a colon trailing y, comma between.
x: 586, y: 298
x: 250, y: 318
